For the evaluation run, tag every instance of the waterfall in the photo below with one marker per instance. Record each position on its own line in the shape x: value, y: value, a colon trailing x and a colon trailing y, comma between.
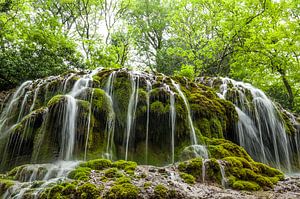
x: 111, y: 118
x: 222, y: 170
x: 44, y: 173
x: 8, y: 110
x: 203, y: 169
x: 190, y: 121
x: 36, y: 92
x: 173, y: 120
x: 88, y: 127
x: 149, y: 88
x: 69, y: 128
x: 133, y: 100
x: 260, y: 129
x: 21, y: 113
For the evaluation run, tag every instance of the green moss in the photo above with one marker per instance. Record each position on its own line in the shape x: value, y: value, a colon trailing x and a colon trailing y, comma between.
x: 98, y: 164
x: 213, y: 171
x: 55, y: 100
x: 269, y: 171
x: 125, y: 191
x: 98, y: 99
x: 192, y: 167
x: 80, y: 173
x: 147, y: 185
x: 126, y: 165
x: 13, y: 173
x: 161, y: 192
x: 221, y: 148
x: 55, y: 191
x: 96, y: 79
x: 85, y: 105
x: 246, y: 185
x: 123, y: 180
x: 250, y: 175
x: 187, y: 178
x: 69, y: 189
x: 5, y: 184
x: 88, y: 191
x: 158, y: 107
x: 112, y: 173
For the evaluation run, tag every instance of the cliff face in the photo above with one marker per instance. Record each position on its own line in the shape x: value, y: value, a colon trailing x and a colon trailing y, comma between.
x: 117, y: 114
x: 49, y: 124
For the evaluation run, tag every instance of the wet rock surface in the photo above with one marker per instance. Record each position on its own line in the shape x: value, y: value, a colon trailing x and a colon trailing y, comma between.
x: 147, y: 178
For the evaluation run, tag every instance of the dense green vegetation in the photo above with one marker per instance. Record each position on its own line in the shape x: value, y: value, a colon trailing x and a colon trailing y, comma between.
x: 251, y: 40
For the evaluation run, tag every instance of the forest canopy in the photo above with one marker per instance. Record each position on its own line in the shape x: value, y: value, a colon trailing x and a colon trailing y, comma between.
x: 256, y: 41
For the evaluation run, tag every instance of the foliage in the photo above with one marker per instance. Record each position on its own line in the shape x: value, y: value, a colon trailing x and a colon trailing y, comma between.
x: 251, y: 40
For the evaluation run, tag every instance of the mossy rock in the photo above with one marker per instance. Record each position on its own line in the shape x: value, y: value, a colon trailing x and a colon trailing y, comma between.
x: 98, y: 164
x: 161, y: 192
x: 80, y: 173
x: 123, y: 180
x: 221, y: 148
x: 112, y: 173
x: 192, y: 167
x: 250, y: 175
x: 125, y: 190
x: 88, y: 191
x: 187, y: 178
x: 246, y: 185
x: 56, y: 100
x: 125, y: 165
x: 5, y: 184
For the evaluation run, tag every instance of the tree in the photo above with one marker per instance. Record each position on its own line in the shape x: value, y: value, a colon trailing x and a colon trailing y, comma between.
x: 31, y: 46
x: 148, y: 23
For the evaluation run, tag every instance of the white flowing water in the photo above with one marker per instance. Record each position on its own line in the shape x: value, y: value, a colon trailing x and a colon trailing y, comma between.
x: 246, y: 129
x: 69, y: 128
x: 203, y: 169
x: 149, y: 88
x: 173, y: 121
x: 111, y: 116
x: 8, y: 110
x: 22, y: 108
x: 133, y: 100
x: 190, y: 121
x: 222, y: 170
x: 260, y: 128
x: 44, y: 173
x: 88, y: 127
x: 36, y: 92
x: 70, y: 117
x: 66, y: 83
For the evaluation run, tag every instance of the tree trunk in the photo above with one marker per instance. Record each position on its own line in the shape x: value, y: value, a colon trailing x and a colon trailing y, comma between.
x: 287, y: 87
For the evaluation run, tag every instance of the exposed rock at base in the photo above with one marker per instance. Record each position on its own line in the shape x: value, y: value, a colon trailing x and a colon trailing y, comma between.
x: 125, y: 179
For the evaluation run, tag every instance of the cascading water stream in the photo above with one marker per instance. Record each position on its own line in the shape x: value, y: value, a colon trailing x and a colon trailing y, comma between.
x: 88, y: 127
x: 203, y: 169
x: 36, y: 92
x: 260, y: 128
x: 21, y: 113
x: 173, y: 120
x: 6, y: 113
x: 222, y: 170
x: 133, y: 100
x: 44, y: 173
x: 111, y: 117
x: 199, y: 149
x: 69, y: 128
x: 190, y: 121
x: 149, y: 88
